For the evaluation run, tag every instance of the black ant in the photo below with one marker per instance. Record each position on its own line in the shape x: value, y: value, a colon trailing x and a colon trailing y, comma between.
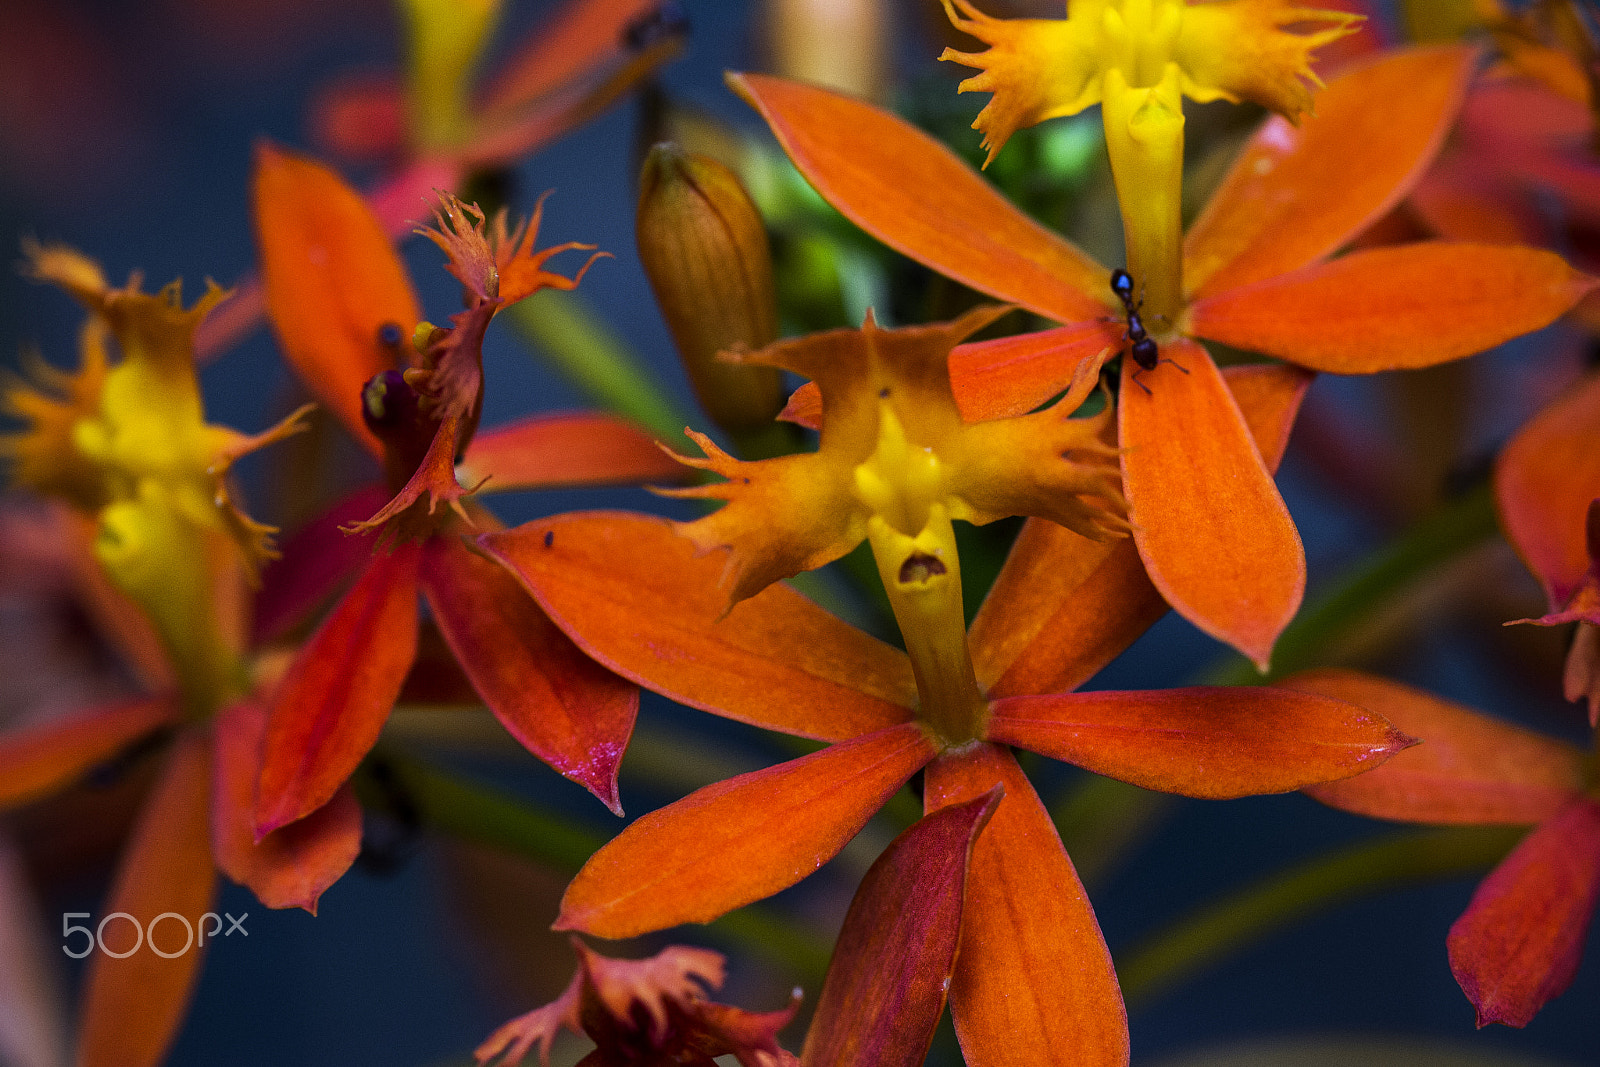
x: 1142, y: 347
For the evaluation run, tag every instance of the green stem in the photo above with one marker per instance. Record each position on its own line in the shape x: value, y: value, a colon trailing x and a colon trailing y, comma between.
x: 1321, y: 633
x: 1228, y: 925
x: 586, y: 353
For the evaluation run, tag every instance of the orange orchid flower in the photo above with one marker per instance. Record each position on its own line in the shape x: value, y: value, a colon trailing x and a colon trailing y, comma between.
x: 641, y: 1013
x: 1255, y: 274
x: 344, y: 312
x: 896, y: 462
x: 1521, y: 939
x: 125, y: 442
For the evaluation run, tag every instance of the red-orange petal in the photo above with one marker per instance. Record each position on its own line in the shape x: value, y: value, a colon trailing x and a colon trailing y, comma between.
x: 315, y: 559
x: 1520, y: 940
x: 564, y: 48
x: 327, y: 711
x: 1204, y: 741
x: 39, y: 759
x: 1063, y: 606
x: 581, y: 448
x: 332, y: 279
x: 1295, y: 195
x: 290, y: 867
x: 1209, y: 524
x: 893, y: 962
x: 132, y: 1006
x: 634, y: 595
x: 737, y: 841
x: 1544, y: 482
x: 858, y: 157
x: 1034, y: 978
x: 1395, y: 308
x: 1013, y: 375
x: 561, y: 705
x: 1469, y: 769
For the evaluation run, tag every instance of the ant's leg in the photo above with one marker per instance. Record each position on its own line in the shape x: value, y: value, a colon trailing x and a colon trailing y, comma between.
x: 1175, y: 363
x: 1141, y: 385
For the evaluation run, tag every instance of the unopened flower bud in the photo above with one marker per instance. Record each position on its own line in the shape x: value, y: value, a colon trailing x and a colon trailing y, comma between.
x: 705, y: 251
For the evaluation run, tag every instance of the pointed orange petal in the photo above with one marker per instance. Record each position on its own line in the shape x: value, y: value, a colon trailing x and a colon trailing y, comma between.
x: 1544, y: 481
x: 289, y: 868
x: 893, y: 962
x: 858, y: 157
x: 1063, y: 606
x: 1013, y: 375
x: 1395, y: 308
x: 1520, y: 940
x: 314, y: 560
x: 1203, y: 741
x: 1033, y: 977
x: 132, y: 1006
x: 561, y: 705
x: 1296, y: 195
x: 326, y: 713
x: 1210, y: 526
x: 738, y: 841
x: 1469, y: 769
x: 582, y: 448
x: 565, y: 48
x: 332, y: 280
x: 633, y: 595
x: 39, y: 759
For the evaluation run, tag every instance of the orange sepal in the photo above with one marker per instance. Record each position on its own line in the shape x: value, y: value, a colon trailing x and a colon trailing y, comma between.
x: 326, y: 713
x: 857, y: 156
x: 634, y: 595
x: 41, y: 758
x: 1013, y: 375
x: 132, y: 1006
x: 312, y: 562
x: 1395, y: 308
x: 1063, y: 606
x: 332, y: 280
x: 1295, y: 195
x: 290, y: 867
x: 580, y: 448
x: 1470, y: 769
x: 1544, y: 482
x: 568, y: 46
x: 561, y: 705
x: 741, y: 840
x: 1205, y: 741
x: 892, y: 965
x: 1520, y: 940
x: 1211, y: 528
x: 1033, y: 977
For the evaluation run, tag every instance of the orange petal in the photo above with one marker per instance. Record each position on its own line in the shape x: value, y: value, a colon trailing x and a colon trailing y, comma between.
x: 132, y: 1006
x: 635, y: 596
x: 1296, y: 195
x: 326, y: 713
x: 561, y: 705
x: 1013, y: 375
x: 1544, y: 481
x: 1395, y: 308
x: 565, y: 48
x: 858, y: 157
x: 1204, y: 741
x: 39, y: 759
x: 1208, y: 521
x: 1063, y: 606
x: 1033, y: 977
x: 738, y: 841
x: 894, y: 959
x: 313, y: 561
x: 1520, y: 940
x: 290, y: 867
x: 582, y: 448
x: 1469, y: 769
x: 332, y: 278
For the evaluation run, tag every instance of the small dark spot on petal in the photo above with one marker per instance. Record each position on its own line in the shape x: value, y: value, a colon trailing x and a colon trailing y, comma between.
x: 883, y: 394
x: 919, y: 567
x: 747, y: 481
x: 390, y: 335
x: 549, y: 538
